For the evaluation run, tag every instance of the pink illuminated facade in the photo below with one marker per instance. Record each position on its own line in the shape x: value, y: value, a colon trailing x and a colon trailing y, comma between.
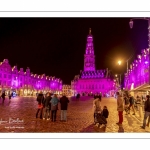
x: 66, y: 90
x: 26, y: 83
x: 91, y: 81
x: 137, y: 78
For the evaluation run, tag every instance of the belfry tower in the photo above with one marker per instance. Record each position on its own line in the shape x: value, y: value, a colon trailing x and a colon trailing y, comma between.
x: 89, y: 57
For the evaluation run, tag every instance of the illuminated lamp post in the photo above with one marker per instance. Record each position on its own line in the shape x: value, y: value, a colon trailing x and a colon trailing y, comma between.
x: 119, y: 63
x: 119, y: 79
x: 131, y: 26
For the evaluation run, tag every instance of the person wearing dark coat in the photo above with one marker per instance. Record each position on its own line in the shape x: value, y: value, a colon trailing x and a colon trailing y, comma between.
x: 100, y: 97
x: 126, y: 103
x: 105, y: 112
x: 9, y: 95
x: 54, y: 107
x: 78, y: 96
x: 95, y: 96
x: 131, y: 100
x: 47, y: 106
x: 64, y: 105
x: 40, y: 100
x: 147, y: 111
x: 3, y: 96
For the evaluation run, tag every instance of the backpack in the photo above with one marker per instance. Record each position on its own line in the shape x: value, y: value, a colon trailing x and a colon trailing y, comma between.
x: 133, y: 100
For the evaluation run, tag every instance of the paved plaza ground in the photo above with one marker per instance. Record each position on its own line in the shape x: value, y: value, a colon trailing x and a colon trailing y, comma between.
x: 19, y: 116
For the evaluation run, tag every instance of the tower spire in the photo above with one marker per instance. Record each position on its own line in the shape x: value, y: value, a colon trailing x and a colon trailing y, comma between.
x: 89, y: 30
x: 89, y: 57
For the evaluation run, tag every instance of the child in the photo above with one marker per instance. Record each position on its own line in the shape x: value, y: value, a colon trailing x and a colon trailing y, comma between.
x: 105, y: 112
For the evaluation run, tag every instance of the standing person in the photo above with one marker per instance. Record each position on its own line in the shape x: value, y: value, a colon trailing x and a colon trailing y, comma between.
x: 131, y: 100
x: 126, y: 103
x: 9, y: 96
x: 47, y: 106
x: 54, y: 107
x: 120, y: 108
x: 105, y: 112
x: 40, y: 99
x: 97, y: 107
x: 99, y: 96
x: 147, y: 111
x: 64, y: 105
x: 3, y: 96
x: 12, y: 95
x: 95, y: 96
x: 77, y: 96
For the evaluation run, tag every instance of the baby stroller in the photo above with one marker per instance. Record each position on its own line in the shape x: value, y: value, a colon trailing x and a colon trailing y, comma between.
x: 99, y: 118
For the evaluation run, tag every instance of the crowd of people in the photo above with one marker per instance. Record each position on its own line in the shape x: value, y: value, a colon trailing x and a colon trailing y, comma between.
x: 126, y: 102
x: 3, y: 95
x: 48, y: 106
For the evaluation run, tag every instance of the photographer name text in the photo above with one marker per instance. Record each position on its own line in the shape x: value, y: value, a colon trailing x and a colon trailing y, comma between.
x: 11, y: 120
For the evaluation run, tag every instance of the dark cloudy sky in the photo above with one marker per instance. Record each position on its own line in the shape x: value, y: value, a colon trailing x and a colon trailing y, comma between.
x: 56, y: 46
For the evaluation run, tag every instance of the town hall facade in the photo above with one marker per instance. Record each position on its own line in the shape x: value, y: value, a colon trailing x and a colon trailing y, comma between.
x: 91, y: 81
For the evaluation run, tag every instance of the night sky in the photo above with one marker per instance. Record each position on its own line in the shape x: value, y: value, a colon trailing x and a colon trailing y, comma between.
x: 56, y: 46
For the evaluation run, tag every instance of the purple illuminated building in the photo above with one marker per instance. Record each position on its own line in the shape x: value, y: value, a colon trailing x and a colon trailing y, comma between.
x: 92, y: 81
x: 137, y: 78
x: 26, y: 83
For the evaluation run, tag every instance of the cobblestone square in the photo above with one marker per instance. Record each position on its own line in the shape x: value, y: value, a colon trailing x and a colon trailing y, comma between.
x: 19, y: 116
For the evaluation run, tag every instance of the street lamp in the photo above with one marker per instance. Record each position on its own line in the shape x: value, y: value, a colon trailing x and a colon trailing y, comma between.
x: 119, y: 62
x: 131, y: 26
x: 128, y: 60
x: 119, y: 78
